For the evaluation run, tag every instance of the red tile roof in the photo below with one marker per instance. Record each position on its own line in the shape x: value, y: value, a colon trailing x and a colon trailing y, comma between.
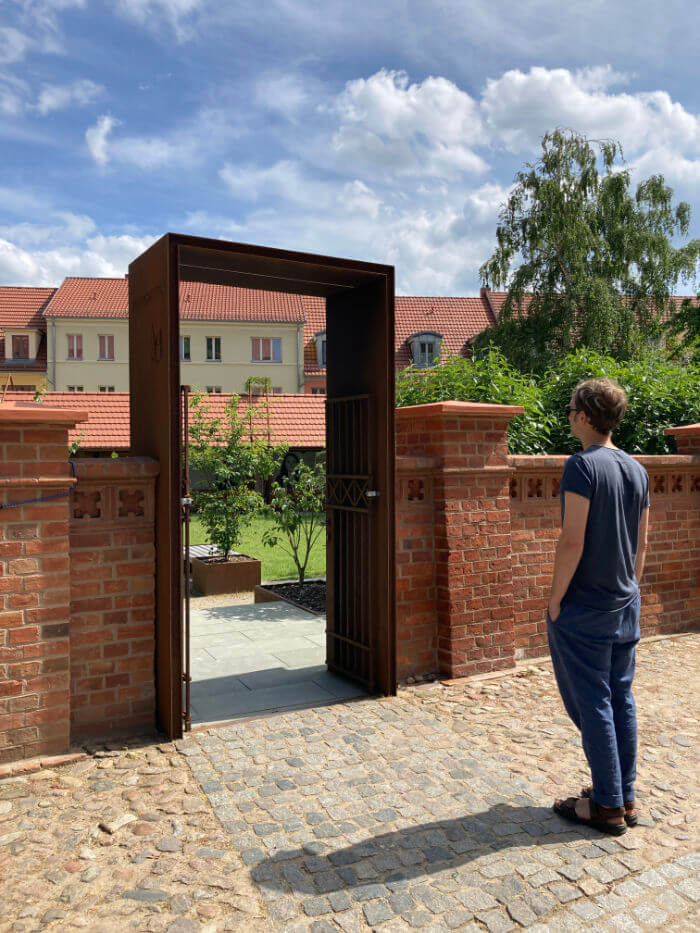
x: 498, y: 299
x: 297, y: 420
x: 109, y: 298
x: 458, y: 320
x: 23, y: 307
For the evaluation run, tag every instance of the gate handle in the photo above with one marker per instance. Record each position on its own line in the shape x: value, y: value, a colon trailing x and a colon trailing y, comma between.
x: 372, y: 494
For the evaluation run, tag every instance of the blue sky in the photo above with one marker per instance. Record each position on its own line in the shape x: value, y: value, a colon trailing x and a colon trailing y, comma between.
x: 386, y: 131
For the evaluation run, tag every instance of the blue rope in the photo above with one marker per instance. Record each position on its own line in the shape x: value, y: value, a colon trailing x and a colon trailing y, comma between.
x: 58, y: 495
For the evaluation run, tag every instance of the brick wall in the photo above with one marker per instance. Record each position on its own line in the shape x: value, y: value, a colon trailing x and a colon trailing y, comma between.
x: 670, y: 586
x: 112, y: 577
x: 493, y: 521
x: 453, y: 458
x: 34, y: 581
x: 76, y: 588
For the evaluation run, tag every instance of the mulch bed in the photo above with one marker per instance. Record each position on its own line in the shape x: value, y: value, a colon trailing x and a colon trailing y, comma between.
x: 311, y: 596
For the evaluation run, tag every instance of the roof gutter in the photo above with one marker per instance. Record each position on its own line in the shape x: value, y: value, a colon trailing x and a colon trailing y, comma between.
x: 300, y: 349
x: 53, y: 353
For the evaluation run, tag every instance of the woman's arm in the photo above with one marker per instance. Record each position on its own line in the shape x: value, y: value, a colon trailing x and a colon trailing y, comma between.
x: 569, y: 549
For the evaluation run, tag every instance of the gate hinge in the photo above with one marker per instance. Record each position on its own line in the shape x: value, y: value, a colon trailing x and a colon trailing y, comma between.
x: 372, y: 494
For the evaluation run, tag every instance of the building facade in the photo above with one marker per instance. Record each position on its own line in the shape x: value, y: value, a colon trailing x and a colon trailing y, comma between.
x: 23, y: 338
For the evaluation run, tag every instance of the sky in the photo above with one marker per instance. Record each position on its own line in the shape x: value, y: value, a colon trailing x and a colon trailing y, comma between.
x: 383, y: 131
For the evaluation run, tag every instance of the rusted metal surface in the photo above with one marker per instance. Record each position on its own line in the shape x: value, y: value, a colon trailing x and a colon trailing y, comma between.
x: 186, y: 503
x: 361, y: 630
x: 154, y: 387
x: 360, y: 323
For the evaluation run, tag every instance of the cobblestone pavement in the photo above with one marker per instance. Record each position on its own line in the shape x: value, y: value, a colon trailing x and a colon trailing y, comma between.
x: 431, y: 810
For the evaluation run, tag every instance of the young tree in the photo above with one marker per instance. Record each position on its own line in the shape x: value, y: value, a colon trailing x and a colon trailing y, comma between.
x: 230, y: 465
x: 297, y: 509
x: 595, y: 264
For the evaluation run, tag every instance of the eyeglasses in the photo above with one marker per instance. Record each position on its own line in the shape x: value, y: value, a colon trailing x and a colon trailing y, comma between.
x: 570, y: 408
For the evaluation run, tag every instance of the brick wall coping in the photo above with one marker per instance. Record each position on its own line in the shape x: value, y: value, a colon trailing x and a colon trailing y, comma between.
x: 692, y: 430
x: 115, y: 470
x: 546, y: 462
x: 28, y: 482
x: 36, y: 413
x: 475, y: 409
x: 417, y: 463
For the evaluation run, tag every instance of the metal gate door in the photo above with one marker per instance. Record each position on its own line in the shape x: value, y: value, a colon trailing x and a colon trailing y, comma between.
x: 186, y: 502
x: 349, y: 501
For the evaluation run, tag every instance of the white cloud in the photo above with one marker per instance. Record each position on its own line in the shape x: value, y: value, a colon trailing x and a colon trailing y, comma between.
x: 97, y: 138
x: 98, y: 255
x: 179, y: 15
x: 284, y: 94
x: 68, y: 228
x: 207, y: 133
x: 60, y: 97
x: 357, y: 198
x: 519, y: 107
x: 414, y: 129
x: 677, y: 169
x: 13, y: 45
x: 285, y: 180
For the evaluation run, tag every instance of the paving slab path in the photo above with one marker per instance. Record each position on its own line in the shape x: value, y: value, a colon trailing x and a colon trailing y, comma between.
x: 430, y: 810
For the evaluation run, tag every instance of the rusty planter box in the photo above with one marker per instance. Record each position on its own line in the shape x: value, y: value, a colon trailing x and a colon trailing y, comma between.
x: 214, y: 576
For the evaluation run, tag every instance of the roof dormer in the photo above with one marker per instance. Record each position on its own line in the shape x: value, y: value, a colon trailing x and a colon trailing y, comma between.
x: 425, y: 348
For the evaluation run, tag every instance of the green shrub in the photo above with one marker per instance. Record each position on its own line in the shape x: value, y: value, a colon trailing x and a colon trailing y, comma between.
x: 661, y: 393
x: 487, y: 377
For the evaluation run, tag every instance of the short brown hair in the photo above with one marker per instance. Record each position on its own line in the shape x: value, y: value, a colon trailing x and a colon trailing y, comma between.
x: 603, y: 401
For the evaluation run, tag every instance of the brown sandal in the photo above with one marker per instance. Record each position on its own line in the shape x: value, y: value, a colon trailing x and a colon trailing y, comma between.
x: 599, y: 819
x: 630, y: 812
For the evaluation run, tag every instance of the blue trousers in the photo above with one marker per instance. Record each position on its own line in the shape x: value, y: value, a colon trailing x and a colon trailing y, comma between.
x: 593, y: 654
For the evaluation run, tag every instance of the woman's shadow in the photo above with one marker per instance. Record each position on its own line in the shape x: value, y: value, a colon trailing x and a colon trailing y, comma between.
x: 394, y: 858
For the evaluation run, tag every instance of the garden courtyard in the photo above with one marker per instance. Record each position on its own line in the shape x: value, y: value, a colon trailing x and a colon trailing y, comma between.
x: 251, y: 658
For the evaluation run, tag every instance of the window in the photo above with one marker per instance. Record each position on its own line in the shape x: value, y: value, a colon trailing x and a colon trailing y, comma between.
x: 75, y: 347
x: 106, y: 342
x: 214, y: 390
x: 14, y: 388
x: 185, y: 349
x: 277, y: 390
x: 266, y: 350
x: 425, y: 348
x: 20, y: 347
x: 105, y: 388
x: 318, y: 390
x: 321, y: 348
x: 75, y: 389
x: 214, y: 349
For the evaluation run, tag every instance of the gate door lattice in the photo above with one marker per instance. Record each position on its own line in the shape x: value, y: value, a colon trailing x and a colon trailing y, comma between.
x: 349, y: 503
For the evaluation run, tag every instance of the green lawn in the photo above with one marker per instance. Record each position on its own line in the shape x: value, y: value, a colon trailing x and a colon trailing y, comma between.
x: 276, y: 563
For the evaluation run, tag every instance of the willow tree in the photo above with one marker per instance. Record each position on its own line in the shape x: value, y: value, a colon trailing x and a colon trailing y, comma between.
x: 585, y: 262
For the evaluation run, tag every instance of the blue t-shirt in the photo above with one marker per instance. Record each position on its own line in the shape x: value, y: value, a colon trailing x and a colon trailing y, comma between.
x: 618, y: 489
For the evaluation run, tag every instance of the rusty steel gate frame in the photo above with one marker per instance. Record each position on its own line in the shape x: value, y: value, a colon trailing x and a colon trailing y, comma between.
x: 359, y: 297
